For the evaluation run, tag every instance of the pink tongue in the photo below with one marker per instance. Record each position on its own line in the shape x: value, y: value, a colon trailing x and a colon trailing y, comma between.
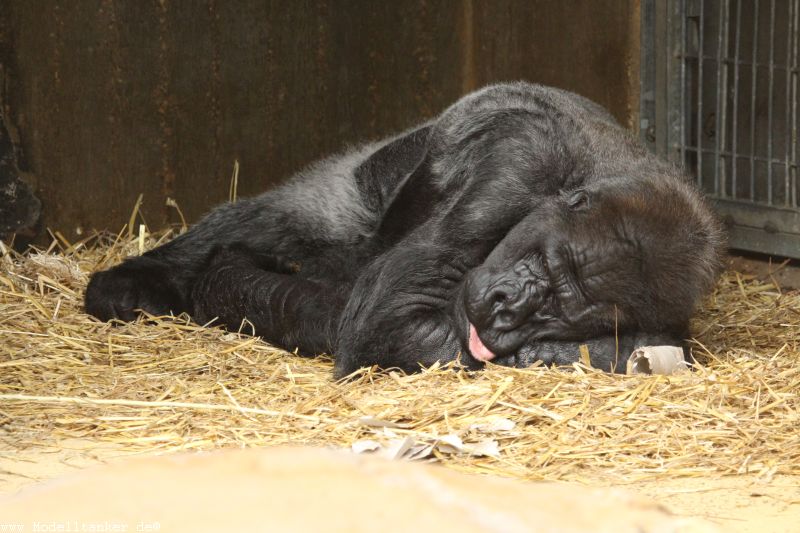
x: 476, y: 347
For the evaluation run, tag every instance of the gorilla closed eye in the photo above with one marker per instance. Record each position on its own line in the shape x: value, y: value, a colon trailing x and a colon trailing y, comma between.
x: 408, y: 253
x: 578, y: 200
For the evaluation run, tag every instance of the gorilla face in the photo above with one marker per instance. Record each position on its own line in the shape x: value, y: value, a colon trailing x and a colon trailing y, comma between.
x: 587, y: 262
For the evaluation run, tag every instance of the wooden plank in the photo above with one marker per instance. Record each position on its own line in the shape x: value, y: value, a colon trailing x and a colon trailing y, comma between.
x: 591, y: 48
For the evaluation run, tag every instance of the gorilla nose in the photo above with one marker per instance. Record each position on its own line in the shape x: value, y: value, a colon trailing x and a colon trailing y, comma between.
x: 508, y: 308
x: 500, y: 306
x: 496, y: 302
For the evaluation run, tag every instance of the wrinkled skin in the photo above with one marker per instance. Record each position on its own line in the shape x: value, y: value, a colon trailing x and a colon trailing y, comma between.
x: 516, y: 226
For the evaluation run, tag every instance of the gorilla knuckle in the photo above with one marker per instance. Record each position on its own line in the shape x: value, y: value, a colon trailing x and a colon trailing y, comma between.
x: 121, y: 292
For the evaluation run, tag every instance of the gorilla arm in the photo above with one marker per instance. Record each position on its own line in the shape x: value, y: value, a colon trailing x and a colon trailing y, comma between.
x: 609, y: 353
x: 159, y: 282
x: 405, y: 311
x: 283, y: 309
x: 331, y: 202
x: 401, y: 312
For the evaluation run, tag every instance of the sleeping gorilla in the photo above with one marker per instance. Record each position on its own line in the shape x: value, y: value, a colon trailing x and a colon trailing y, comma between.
x: 519, y: 224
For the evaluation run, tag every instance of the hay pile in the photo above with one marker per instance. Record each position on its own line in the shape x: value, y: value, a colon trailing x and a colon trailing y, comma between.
x: 169, y: 385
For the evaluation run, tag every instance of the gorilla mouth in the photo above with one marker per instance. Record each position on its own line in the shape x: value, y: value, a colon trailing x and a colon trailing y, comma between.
x: 476, y: 346
x: 506, y: 344
x: 505, y: 307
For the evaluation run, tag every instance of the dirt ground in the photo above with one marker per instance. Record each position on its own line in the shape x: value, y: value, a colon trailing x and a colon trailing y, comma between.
x: 736, y: 503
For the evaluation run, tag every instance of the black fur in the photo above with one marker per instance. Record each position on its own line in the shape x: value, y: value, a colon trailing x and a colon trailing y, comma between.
x: 523, y: 213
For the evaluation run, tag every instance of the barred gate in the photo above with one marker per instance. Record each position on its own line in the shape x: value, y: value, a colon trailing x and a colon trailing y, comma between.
x: 720, y: 95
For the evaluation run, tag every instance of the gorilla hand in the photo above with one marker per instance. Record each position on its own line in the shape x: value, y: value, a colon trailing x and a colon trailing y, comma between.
x: 241, y: 283
x: 608, y: 353
x: 140, y: 283
x: 403, y: 312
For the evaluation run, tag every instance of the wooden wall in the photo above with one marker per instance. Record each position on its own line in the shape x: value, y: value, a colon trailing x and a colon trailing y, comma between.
x: 113, y: 98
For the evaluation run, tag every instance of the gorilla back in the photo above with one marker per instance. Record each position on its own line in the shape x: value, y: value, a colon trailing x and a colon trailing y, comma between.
x: 517, y: 225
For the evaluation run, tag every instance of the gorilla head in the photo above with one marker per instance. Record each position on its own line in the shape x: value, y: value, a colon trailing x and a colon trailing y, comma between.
x: 571, y: 229
x: 620, y: 255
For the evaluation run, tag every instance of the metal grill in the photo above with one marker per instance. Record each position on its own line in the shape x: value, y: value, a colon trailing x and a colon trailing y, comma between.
x: 720, y: 95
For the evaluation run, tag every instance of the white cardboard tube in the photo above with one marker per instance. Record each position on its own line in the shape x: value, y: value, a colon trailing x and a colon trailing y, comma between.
x: 664, y: 360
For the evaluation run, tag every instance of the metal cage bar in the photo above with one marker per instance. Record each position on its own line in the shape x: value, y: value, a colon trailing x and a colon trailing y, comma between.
x: 753, y: 89
x: 735, y: 118
x: 794, y: 139
x: 699, y: 120
x: 770, y: 94
x: 787, y: 185
x: 721, y: 100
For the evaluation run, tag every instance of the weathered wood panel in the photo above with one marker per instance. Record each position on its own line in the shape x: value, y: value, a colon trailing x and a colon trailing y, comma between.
x: 113, y: 98
x: 591, y: 48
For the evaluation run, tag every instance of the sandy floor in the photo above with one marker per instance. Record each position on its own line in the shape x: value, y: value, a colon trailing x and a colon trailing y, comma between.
x: 22, y: 468
x: 741, y: 504
x: 736, y: 504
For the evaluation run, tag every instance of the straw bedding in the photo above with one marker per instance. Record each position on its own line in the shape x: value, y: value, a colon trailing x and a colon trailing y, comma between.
x: 167, y: 384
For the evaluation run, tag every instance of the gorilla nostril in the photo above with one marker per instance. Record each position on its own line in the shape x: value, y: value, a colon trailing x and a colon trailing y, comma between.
x: 500, y: 295
x: 504, y: 321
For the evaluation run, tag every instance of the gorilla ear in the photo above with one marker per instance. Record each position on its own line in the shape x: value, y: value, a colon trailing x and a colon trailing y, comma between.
x: 578, y: 200
x: 381, y: 175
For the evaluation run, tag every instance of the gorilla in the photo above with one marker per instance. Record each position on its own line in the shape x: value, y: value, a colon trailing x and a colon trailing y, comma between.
x: 521, y: 223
